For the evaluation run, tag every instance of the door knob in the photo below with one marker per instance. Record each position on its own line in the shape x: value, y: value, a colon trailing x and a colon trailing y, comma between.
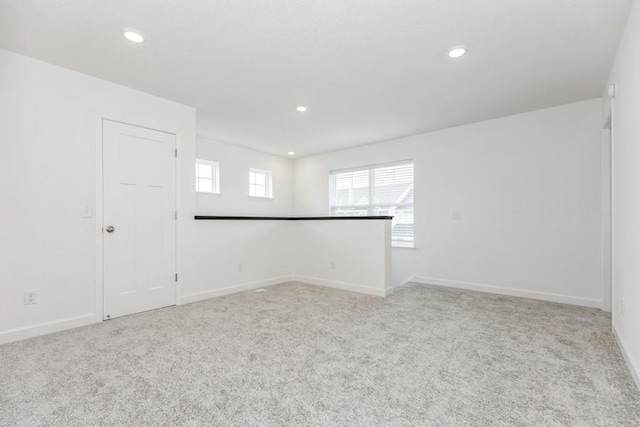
x: 110, y: 229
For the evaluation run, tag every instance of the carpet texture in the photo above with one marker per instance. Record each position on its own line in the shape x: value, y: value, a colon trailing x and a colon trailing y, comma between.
x: 299, y: 355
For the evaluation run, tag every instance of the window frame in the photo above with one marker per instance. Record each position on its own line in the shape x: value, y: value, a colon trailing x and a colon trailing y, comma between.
x: 268, y: 183
x: 371, y: 205
x: 214, y: 178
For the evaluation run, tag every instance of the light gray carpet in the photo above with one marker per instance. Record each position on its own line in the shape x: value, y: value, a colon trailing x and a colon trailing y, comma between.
x: 297, y: 355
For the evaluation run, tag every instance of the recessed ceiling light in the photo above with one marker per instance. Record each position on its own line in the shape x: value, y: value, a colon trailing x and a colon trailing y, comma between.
x: 301, y: 108
x: 133, y: 36
x: 457, y: 52
x: 291, y: 153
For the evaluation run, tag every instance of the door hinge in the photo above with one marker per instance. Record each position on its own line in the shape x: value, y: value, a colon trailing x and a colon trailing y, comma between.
x: 175, y: 214
x: 176, y: 152
x: 176, y: 277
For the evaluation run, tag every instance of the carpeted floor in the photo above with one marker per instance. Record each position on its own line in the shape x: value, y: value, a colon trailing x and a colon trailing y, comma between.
x: 298, y: 355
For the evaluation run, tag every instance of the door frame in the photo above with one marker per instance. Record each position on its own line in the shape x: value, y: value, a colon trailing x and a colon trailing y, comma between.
x: 99, y: 214
x: 606, y: 188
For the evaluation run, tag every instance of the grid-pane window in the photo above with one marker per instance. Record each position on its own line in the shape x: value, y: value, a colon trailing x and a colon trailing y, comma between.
x: 260, y: 183
x: 379, y: 190
x: 207, y: 176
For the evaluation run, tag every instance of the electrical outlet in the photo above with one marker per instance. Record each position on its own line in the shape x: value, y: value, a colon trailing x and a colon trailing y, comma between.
x: 30, y: 297
x: 240, y: 267
x: 332, y: 265
x: 456, y: 215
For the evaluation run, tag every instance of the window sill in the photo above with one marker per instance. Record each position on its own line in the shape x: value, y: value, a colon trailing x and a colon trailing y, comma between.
x: 261, y: 197
x: 208, y: 192
x: 402, y: 247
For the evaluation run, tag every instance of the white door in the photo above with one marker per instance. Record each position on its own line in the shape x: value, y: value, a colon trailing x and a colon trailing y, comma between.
x: 139, y: 229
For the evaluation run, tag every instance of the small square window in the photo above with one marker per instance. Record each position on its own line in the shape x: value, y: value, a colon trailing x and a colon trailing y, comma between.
x: 260, y: 183
x: 207, y: 176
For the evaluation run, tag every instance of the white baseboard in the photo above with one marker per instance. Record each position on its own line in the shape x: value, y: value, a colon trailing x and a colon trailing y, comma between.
x: 634, y: 368
x: 199, y: 296
x: 341, y: 285
x: 18, y: 334
x: 564, y: 299
x: 393, y: 288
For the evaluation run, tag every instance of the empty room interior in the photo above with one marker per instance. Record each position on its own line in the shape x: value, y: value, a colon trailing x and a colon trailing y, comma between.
x: 332, y: 213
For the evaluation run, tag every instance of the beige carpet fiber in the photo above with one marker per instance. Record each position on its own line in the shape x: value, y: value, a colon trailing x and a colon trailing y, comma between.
x: 298, y: 355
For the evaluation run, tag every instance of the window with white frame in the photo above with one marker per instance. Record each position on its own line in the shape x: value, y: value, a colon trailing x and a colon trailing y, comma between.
x: 207, y: 176
x: 385, y: 190
x: 260, y: 184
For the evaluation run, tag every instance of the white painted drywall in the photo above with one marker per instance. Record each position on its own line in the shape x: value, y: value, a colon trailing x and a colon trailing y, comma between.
x: 48, y: 133
x: 236, y: 255
x: 528, y: 187
x: 626, y: 194
x: 228, y: 256
x: 218, y: 250
x: 235, y: 163
x: 345, y: 254
x: 50, y: 128
x: 272, y: 252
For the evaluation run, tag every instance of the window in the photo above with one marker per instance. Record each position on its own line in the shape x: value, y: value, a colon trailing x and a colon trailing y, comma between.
x: 260, y: 183
x: 385, y: 190
x: 207, y: 176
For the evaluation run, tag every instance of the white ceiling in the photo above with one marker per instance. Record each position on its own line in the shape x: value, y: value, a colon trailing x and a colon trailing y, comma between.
x: 369, y: 70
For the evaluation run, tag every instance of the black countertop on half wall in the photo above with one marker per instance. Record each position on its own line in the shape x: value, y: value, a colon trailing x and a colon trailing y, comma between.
x: 289, y: 218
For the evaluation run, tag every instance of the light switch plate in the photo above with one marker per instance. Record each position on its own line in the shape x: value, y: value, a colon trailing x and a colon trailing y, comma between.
x: 87, y: 212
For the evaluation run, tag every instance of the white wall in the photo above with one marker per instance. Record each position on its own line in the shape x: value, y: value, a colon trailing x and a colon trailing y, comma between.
x: 272, y: 252
x: 216, y: 249
x: 48, y: 132
x: 346, y: 254
x: 528, y: 187
x: 235, y: 255
x: 235, y: 163
x: 229, y: 256
x: 626, y: 194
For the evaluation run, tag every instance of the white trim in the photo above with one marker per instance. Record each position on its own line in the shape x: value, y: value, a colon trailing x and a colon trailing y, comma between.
x: 404, y: 247
x: 178, y: 202
x: 342, y: 285
x: 47, y: 328
x: 199, y: 296
x: 606, y: 218
x: 544, y: 296
x: 214, y: 178
x: 268, y: 183
x: 254, y: 197
x: 634, y: 369
x: 99, y: 218
x: 393, y: 288
x: 372, y: 166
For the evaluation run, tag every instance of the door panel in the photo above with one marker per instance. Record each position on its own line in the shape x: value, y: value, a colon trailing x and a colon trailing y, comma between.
x: 139, y: 203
